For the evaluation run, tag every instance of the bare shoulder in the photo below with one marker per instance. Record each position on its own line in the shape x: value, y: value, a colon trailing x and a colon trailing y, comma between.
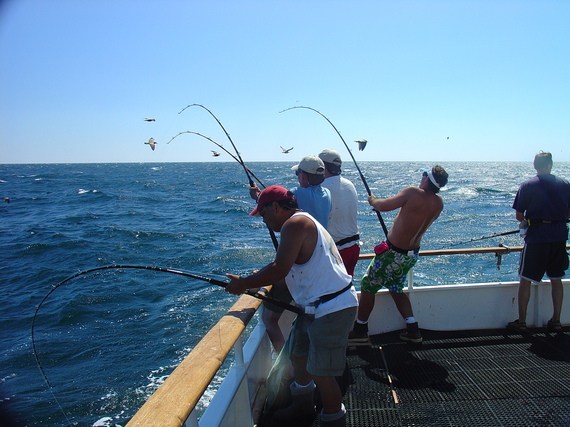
x: 410, y: 193
x: 297, y: 222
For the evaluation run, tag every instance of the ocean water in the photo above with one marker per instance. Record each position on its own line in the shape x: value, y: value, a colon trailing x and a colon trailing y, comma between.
x: 107, y: 340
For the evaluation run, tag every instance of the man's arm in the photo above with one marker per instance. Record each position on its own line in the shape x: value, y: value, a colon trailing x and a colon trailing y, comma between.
x: 391, y: 203
x: 293, y: 234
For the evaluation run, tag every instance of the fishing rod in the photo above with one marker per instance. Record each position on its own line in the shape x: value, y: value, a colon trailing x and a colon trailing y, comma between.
x: 353, y: 159
x: 223, y: 148
x: 506, y: 233
x: 240, y: 161
x: 261, y: 296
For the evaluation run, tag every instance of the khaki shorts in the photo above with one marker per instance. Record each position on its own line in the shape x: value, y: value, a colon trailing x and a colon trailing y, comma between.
x: 324, y: 341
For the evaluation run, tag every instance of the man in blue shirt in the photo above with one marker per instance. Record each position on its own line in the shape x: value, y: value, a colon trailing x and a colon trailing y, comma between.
x: 542, y: 205
x: 311, y: 196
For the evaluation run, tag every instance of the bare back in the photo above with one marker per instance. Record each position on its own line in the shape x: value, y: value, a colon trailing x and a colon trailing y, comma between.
x: 419, y: 208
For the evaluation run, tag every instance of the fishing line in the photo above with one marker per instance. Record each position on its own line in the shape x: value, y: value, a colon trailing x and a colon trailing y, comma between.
x: 506, y: 233
x: 240, y: 161
x: 353, y: 159
x: 222, y: 147
x: 261, y: 296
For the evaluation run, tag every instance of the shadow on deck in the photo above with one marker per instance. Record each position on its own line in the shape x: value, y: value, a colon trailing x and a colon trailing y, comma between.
x: 459, y: 378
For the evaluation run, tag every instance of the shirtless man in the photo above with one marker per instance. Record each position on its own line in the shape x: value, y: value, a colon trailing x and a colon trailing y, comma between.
x: 419, y: 208
x: 308, y: 260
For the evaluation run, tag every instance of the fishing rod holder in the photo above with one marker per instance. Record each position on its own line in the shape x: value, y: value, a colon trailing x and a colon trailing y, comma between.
x: 499, y: 255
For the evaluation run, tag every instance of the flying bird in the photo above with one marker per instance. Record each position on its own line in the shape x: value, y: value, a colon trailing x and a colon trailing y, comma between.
x: 152, y: 143
x: 361, y: 144
x: 286, y: 151
x: 215, y: 153
x: 148, y: 119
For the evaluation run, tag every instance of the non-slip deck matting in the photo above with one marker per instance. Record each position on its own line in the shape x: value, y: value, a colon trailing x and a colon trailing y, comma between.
x: 460, y: 378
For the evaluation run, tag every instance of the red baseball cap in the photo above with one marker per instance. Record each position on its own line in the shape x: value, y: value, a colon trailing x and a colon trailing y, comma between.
x: 273, y: 193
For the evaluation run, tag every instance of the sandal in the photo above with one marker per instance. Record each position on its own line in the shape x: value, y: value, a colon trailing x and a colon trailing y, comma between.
x: 516, y: 325
x: 554, y: 326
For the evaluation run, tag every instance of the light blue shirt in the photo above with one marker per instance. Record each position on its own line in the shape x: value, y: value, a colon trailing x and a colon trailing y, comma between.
x: 316, y: 201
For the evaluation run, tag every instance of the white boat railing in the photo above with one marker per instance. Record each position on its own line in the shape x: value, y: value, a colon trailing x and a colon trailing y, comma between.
x: 239, y: 399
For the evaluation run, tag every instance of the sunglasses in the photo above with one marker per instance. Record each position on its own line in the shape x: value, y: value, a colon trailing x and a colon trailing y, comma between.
x: 264, y: 209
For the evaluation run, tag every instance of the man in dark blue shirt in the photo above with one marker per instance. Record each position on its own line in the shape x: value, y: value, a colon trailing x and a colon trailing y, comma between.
x: 542, y: 205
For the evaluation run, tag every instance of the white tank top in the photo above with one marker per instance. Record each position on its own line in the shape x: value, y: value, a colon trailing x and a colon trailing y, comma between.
x: 323, y: 274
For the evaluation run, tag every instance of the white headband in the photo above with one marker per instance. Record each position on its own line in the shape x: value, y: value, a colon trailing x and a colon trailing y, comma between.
x: 432, y: 179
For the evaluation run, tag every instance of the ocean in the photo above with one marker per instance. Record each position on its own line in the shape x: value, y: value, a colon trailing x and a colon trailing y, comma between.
x: 107, y: 340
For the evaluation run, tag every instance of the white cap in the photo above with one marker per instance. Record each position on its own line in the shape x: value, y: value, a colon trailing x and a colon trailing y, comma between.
x: 311, y: 164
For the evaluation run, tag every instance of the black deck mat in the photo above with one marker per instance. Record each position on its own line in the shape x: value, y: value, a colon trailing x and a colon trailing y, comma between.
x: 459, y: 378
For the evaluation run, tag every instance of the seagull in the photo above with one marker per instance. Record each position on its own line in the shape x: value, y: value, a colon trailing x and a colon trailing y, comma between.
x: 148, y: 119
x: 152, y: 143
x: 215, y: 153
x: 286, y: 151
x: 361, y: 144
x: 6, y: 199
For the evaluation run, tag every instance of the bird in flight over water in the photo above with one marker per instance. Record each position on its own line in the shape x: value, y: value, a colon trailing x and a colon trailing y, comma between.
x: 285, y: 151
x: 361, y: 144
x: 148, y: 119
x: 152, y: 143
x: 215, y: 153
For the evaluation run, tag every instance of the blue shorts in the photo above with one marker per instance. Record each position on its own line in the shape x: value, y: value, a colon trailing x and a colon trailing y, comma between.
x: 540, y: 258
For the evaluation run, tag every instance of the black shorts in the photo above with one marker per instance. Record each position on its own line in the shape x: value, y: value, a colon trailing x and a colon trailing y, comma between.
x: 539, y: 258
x: 280, y: 292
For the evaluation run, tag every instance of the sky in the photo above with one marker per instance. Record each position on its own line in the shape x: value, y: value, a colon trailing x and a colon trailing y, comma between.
x: 425, y: 80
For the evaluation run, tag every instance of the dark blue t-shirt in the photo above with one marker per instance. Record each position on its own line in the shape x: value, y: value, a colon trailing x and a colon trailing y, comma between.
x: 544, y: 197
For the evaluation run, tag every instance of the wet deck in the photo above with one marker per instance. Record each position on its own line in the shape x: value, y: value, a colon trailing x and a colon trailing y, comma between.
x: 460, y: 378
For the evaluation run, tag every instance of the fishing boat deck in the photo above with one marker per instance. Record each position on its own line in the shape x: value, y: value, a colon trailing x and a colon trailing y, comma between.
x: 458, y: 378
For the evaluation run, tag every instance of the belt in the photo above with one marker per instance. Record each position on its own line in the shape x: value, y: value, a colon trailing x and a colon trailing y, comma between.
x: 534, y: 222
x: 310, y: 309
x: 402, y: 251
x: 348, y: 240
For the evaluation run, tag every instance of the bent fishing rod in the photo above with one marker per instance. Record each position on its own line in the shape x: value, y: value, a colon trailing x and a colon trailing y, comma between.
x: 223, y: 148
x: 240, y: 161
x: 353, y: 159
x: 258, y: 295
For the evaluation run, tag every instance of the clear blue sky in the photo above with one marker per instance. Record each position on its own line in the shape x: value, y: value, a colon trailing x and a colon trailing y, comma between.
x: 77, y: 78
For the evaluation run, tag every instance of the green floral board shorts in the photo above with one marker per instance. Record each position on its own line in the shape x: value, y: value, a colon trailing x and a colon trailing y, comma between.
x: 388, y: 270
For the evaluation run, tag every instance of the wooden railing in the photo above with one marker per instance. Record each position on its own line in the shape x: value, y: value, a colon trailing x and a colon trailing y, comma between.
x: 466, y: 251
x: 176, y: 398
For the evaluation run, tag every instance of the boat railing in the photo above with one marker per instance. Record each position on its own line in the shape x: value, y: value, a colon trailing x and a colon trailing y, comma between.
x: 499, y: 251
x: 174, y: 402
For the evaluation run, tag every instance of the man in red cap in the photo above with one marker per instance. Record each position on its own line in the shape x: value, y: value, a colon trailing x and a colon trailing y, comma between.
x: 309, y: 262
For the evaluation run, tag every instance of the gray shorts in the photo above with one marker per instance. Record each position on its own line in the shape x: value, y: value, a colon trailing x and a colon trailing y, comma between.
x: 324, y: 341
